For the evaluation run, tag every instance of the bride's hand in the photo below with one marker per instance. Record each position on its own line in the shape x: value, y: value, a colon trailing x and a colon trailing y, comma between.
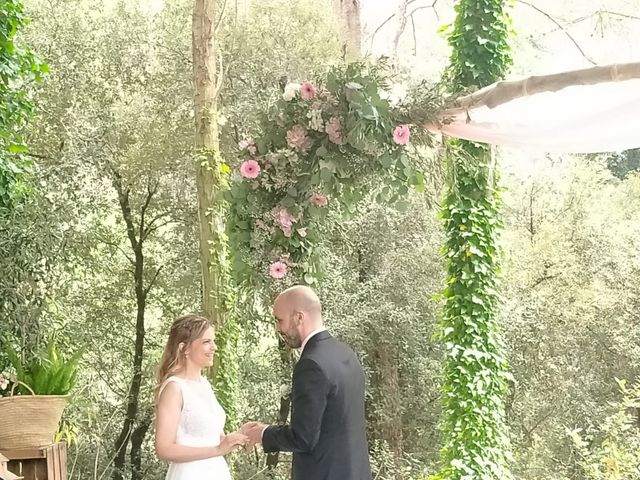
x: 232, y: 441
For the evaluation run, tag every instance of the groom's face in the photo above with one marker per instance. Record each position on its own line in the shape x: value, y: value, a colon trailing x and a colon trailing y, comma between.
x: 286, y: 325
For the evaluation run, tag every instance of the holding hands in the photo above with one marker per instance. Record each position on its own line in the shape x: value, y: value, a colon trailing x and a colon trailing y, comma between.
x: 248, y: 436
x: 232, y: 441
x: 253, y: 431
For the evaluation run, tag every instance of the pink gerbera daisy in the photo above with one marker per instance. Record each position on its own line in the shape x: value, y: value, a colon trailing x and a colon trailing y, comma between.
x: 318, y: 199
x: 278, y: 270
x: 250, y: 169
x: 307, y: 91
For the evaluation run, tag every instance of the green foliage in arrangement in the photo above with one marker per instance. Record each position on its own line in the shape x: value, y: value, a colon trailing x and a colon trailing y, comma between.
x: 318, y: 145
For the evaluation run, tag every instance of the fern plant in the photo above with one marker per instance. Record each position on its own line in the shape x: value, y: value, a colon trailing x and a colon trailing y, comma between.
x: 48, y: 373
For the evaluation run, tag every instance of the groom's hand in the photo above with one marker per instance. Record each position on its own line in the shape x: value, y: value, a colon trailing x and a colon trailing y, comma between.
x: 244, y: 429
x: 253, y: 430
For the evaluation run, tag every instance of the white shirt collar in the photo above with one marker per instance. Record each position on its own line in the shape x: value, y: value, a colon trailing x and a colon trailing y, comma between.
x: 315, y: 332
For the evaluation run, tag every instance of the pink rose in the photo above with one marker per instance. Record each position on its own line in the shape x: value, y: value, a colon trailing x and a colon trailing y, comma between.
x: 297, y: 138
x: 250, y: 169
x: 401, y: 134
x: 319, y: 200
x: 307, y: 91
x: 283, y: 219
x: 278, y: 270
x: 245, y: 143
x: 334, y: 130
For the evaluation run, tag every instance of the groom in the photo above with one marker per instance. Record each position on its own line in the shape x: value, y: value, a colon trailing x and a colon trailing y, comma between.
x: 327, y: 434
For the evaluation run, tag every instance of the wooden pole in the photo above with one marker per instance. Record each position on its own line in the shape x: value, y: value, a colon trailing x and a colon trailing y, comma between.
x: 504, y: 91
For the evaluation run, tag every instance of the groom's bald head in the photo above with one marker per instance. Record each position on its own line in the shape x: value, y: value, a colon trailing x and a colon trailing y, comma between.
x: 301, y: 298
x: 298, y: 312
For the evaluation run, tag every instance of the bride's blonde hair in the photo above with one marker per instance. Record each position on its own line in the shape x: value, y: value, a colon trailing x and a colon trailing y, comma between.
x: 183, y: 332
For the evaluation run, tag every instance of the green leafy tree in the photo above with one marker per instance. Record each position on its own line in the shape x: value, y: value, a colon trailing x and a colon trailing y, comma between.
x: 571, y: 298
x: 116, y: 134
x: 18, y: 67
x: 612, y: 451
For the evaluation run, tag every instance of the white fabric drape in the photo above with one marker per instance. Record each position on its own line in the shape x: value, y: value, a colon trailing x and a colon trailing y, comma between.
x: 602, y: 117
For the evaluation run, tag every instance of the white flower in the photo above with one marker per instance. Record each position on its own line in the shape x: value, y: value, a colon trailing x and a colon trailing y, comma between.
x: 4, y: 380
x: 285, y: 390
x: 222, y: 120
x: 244, y: 143
x: 290, y: 91
x: 315, y: 120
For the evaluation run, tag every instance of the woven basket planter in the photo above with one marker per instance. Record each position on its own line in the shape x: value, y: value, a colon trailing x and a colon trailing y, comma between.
x: 30, y: 420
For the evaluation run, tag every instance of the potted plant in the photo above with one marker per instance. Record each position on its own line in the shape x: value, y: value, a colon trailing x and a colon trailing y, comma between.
x: 33, y: 394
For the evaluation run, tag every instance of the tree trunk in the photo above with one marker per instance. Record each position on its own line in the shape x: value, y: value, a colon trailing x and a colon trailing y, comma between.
x: 137, y: 439
x: 474, y: 430
x: 384, y: 413
x: 209, y: 180
x: 136, y: 238
x: 349, y: 27
x: 389, y: 385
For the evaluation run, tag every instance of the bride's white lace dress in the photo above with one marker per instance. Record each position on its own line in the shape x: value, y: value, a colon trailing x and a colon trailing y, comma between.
x: 201, y: 424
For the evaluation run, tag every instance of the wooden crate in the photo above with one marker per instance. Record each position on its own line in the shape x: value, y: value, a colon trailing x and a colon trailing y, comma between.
x: 41, y: 463
x: 5, y: 474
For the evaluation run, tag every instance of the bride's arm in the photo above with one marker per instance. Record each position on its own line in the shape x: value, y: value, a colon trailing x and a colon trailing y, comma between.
x: 167, y: 419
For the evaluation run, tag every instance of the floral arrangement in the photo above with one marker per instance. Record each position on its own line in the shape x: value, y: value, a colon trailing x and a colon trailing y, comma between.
x: 323, y: 145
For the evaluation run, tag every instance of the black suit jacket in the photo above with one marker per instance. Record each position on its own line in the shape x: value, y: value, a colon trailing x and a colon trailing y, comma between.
x: 327, y: 434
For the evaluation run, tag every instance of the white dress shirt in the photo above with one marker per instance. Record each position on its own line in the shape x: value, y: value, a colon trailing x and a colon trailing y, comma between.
x: 315, y: 332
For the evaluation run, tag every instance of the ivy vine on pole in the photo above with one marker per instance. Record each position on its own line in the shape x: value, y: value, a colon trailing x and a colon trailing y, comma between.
x: 473, y: 428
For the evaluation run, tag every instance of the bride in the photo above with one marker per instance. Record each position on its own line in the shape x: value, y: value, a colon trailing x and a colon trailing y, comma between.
x: 189, y: 419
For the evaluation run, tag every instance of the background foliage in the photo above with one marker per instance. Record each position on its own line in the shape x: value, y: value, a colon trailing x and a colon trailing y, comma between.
x: 117, y: 105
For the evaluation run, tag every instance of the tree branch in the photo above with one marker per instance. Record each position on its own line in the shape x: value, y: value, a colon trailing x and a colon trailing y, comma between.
x: 602, y: 12
x: 590, y: 60
x: 36, y: 155
x: 617, y: 14
x: 402, y: 23
x: 220, y: 17
x: 152, y: 227
x: 379, y: 27
x: 153, y: 280
x: 413, y: 32
x: 123, y: 198
x: 118, y: 247
x: 529, y: 430
x: 541, y: 279
x: 151, y: 191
